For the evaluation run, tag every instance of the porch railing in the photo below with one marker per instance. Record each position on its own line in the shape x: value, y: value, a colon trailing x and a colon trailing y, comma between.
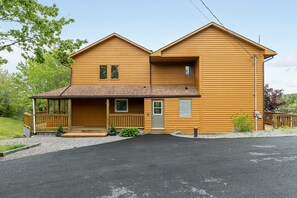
x: 51, y: 121
x: 127, y: 120
x: 28, y: 120
x: 45, y: 121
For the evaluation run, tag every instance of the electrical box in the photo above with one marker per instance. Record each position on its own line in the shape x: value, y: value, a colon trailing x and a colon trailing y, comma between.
x: 258, y: 115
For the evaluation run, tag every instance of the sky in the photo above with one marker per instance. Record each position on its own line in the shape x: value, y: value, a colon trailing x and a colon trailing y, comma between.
x: 155, y: 23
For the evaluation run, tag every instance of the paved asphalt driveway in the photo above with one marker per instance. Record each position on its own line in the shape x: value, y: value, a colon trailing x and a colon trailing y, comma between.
x: 159, y: 166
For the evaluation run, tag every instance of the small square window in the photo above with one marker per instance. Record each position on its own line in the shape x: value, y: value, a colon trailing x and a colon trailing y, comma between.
x: 114, y: 72
x: 185, y: 108
x: 187, y: 71
x: 103, y: 71
x: 121, y: 105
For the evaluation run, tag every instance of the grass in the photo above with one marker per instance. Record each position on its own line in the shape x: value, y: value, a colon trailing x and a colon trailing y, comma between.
x: 4, y: 148
x: 10, y: 128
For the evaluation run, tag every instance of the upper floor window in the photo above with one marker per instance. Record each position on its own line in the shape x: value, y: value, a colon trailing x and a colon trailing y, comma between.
x: 114, y: 72
x: 103, y: 71
x: 187, y: 71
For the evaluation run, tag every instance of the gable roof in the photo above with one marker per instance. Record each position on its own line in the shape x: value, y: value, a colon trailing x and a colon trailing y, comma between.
x: 109, y: 37
x: 268, y: 52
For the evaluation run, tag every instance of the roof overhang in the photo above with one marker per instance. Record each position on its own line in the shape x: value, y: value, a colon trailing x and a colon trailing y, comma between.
x: 123, y: 91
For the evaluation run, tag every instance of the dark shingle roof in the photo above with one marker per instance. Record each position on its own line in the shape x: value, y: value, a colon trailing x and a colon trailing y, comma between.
x: 115, y: 91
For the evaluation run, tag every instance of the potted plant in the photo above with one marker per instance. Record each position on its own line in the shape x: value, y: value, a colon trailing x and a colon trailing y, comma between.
x: 59, y: 131
x: 112, y: 130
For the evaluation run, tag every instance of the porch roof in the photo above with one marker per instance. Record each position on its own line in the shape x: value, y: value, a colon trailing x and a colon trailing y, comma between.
x: 123, y: 91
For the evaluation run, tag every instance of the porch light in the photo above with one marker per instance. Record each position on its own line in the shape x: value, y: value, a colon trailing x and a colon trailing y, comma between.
x: 187, y: 71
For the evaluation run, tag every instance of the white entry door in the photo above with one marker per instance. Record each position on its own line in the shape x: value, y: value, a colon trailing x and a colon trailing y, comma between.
x: 158, y: 114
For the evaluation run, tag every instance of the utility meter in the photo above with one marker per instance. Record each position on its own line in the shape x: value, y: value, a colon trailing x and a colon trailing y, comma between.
x: 258, y: 115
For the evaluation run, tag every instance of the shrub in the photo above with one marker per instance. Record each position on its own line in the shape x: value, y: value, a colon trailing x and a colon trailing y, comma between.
x: 59, y: 131
x: 242, y: 122
x: 112, y: 130
x: 129, y: 132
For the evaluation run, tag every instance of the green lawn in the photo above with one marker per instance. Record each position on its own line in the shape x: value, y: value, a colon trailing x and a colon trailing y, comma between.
x: 10, y: 128
x: 10, y: 147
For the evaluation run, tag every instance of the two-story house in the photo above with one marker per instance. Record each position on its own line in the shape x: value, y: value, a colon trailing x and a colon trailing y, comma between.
x: 198, y: 81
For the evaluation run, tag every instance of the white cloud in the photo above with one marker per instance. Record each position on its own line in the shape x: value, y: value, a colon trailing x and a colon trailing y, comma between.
x: 289, y: 60
x: 292, y: 83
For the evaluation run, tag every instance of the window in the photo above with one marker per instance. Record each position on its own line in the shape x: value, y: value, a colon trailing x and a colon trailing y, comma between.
x: 121, y: 105
x: 103, y: 71
x: 187, y: 71
x: 114, y: 72
x: 63, y: 106
x: 57, y: 106
x: 157, y: 108
x: 185, y: 108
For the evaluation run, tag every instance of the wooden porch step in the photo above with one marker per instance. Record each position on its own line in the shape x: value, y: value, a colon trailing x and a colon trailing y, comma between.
x: 84, y: 134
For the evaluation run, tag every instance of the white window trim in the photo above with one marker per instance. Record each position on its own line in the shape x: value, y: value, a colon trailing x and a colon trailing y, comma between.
x: 185, y: 116
x: 115, y: 105
x: 160, y: 107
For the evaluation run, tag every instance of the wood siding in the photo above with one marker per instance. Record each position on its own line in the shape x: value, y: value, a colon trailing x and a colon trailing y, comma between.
x: 226, y: 77
x: 173, y: 73
x: 133, y: 64
x: 172, y: 121
x: 89, y: 112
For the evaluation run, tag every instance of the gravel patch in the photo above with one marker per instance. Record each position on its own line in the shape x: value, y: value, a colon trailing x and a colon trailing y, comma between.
x: 51, y: 143
x: 268, y: 133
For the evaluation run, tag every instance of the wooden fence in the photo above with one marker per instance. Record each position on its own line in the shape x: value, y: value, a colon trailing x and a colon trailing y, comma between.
x: 280, y: 119
x: 127, y: 120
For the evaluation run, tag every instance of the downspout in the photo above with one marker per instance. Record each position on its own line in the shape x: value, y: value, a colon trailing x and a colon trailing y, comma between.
x: 255, y: 92
x: 150, y: 76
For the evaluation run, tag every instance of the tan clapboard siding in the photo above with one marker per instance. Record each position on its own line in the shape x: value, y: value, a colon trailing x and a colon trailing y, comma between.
x: 135, y: 105
x: 89, y: 112
x: 171, y: 74
x: 226, y: 77
x: 133, y: 64
x: 172, y: 120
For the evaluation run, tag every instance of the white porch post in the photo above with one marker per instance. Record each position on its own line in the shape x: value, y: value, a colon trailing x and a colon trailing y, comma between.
x: 107, y: 113
x: 34, y: 115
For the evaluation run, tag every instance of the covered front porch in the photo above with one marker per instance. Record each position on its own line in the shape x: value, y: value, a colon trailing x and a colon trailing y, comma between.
x: 85, y: 114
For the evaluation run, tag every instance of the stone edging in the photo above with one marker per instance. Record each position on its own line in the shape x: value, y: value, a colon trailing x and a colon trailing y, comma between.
x: 18, y: 149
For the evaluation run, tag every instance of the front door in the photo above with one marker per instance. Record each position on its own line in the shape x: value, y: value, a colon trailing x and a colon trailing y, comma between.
x: 158, y: 114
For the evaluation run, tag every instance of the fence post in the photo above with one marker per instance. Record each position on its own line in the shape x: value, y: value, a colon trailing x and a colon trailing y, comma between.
x: 274, y: 121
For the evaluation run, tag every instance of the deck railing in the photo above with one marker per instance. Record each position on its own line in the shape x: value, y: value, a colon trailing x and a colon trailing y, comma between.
x: 127, y: 120
x: 278, y: 119
x: 284, y: 120
x: 268, y: 116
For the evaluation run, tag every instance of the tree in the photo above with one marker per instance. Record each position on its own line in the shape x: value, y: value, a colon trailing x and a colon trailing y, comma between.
x: 272, y: 98
x: 34, y: 77
x: 290, y: 105
x: 7, y: 92
x: 35, y: 29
